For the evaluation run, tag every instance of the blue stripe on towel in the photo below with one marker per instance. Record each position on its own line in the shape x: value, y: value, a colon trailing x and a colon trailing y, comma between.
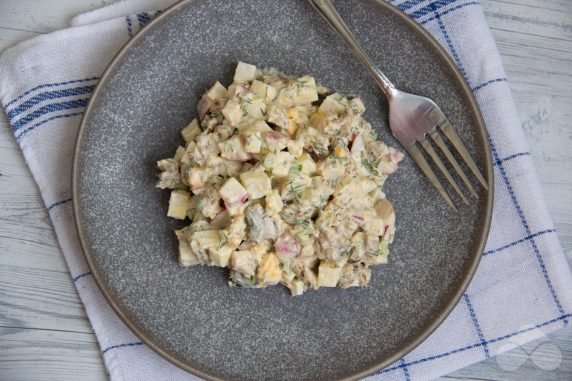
x: 513, y: 156
x: 59, y: 203
x: 431, y: 8
x: 496, y: 80
x: 527, y: 229
x: 129, y: 26
x: 19, y: 136
x: 49, y: 95
x: 409, y: 4
x: 434, y: 7
x: 67, y: 105
x: 477, y: 345
x: 403, y: 366
x: 76, y: 278
x: 476, y: 325
x: 143, y: 19
x: 439, y: 14
x: 48, y: 85
x: 120, y: 346
x: 514, y: 243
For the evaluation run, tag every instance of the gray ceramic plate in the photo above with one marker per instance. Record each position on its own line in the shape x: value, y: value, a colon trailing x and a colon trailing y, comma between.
x: 190, y: 316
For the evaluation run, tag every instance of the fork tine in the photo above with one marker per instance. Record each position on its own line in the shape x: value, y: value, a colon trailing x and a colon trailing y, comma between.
x: 429, y: 149
x: 451, y: 134
x: 422, y: 163
x: 441, y: 144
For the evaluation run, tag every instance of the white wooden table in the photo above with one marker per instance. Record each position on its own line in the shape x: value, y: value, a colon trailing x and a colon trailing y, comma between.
x: 44, y: 332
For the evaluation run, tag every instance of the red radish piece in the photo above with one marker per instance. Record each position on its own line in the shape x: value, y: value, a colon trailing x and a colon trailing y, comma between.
x: 358, y: 218
x: 387, y: 167
x: 287, y: 247
x: 274, y: 135
x: 203, y: 107
x: 238, y: 202
x: 357, y: 144
x: 395, y: 155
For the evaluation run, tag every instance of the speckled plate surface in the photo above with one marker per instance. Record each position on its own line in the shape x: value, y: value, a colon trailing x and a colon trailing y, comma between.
x: 190, y: 316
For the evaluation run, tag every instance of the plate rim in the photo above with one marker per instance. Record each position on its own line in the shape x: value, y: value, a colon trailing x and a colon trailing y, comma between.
x: 411, y: 344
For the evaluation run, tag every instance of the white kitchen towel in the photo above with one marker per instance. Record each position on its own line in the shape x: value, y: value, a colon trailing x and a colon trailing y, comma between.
x: 522, y: 289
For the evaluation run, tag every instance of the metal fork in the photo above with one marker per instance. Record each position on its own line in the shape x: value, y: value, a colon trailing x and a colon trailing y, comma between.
x: 412, y: 118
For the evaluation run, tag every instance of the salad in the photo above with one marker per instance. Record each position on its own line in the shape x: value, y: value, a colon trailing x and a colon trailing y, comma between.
x: 281, y: 181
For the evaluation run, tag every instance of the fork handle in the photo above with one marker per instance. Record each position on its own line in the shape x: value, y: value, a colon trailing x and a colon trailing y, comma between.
x: 328, y: 12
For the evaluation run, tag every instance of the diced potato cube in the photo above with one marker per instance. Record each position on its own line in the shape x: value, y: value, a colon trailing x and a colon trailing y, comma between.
x: 207, y: 239
x: 350, y: 187
x: 232, y: 113
x: 274, y: 202
x: 234, y: 149
x: 296, y: 147
x: 186, y: 255
x: 308, y: 164
x: 371, y: 244
x: 259, y: 88
x: 275, y: 141
x: 256, y: 182
x: 264, y: 91
x: 197, y: 177
x: 178, y: 204
x: 292, y: 128
x: 301, y: 92
x: 296, y: 287
x: 294, y: 187
x: 297, y: 116
x: 259, y: 250
x: 262, y: 126
x: 236, y: 232
x: 231, y: 92
x: 233, y: 193
x: 281, y: 165
x: 268, y: 161
x: 269, y: 272
x: 243, y: 262
x: 244, y: 72
x: 258, y: 126
x: 333, y: 104
x: 217, y: 91
x: 220, y: 256
x: 320, y: 121
x: 356, y: 105
x: 191, y: 131
x: 253, y: 142
x: 331, y: 169
x: 277, y: 115
x: 186, y: 159
x: 202, y: 241
x: 374, y: 226
x: 307, y: 91
x: 179, y: 153
x: 385, y: 211
x: 328, y: 274
x: 358, y: 248
x: 253, y: 106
